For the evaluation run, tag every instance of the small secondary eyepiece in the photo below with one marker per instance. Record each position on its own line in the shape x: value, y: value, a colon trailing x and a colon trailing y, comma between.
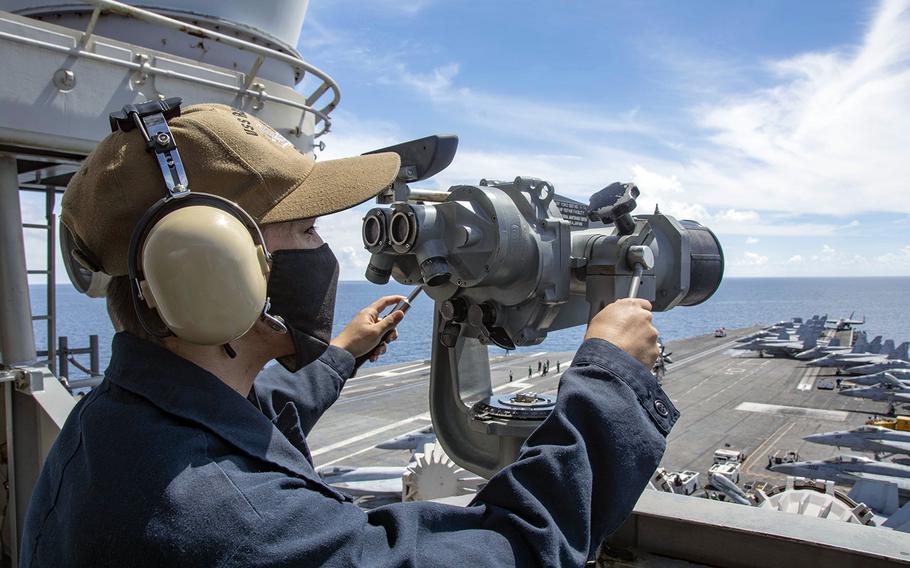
x: 379, y: 269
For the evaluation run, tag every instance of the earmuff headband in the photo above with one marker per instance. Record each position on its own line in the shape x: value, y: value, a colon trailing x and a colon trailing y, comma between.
x: 151, y: 120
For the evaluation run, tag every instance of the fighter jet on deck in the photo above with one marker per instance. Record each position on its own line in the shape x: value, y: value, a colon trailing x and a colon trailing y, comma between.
x: 848, y: 360
x: 410, y: 441
x: 902, y: 376
x: 806, y: 338
x: 846, y: 323
x: 866, y: 439
x: 893, y: 392
x: 900, y: 362
x: 378, y: 480
x: 375, y: 480
x: 776, y: 329
x: 834, y: 346
x: 848, y: 469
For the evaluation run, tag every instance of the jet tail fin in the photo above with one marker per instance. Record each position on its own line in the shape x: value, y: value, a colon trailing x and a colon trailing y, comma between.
x: 881, y: 496
x: 900, y: 520
x: 811, y: 342
x: 875, y: 346
x: 888, y: 348
x: 901, y: 352
x: 861, y: 343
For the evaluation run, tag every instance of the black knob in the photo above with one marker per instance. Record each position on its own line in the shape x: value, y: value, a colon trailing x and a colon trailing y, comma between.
x: 455, y: 309
x: 448, y: 337
x: 482, y: 315
x: 614, y: 204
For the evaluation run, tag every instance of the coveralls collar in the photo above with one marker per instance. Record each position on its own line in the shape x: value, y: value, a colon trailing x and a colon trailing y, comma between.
x: 182, y: 388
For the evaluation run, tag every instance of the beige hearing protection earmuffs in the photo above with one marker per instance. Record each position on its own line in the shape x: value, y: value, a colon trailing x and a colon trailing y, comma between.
x: 198, y: 259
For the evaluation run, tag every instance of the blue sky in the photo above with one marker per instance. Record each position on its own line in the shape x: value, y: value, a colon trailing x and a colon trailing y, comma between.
x: 785, y: 126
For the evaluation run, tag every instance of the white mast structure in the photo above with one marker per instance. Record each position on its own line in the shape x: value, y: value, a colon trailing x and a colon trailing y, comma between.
x: 65, y: 67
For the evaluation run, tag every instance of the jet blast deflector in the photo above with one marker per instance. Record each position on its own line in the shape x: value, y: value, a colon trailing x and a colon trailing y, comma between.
x: 508, y: 261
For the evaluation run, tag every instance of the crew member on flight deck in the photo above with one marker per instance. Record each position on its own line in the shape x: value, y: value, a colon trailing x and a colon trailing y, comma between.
x: 204, y: 219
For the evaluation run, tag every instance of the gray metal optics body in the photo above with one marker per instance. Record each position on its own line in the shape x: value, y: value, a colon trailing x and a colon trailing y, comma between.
x: 507, y: 262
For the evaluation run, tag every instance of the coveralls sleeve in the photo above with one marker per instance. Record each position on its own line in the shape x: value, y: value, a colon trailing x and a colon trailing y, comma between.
x: 312, y: 389
x: 577, y: 478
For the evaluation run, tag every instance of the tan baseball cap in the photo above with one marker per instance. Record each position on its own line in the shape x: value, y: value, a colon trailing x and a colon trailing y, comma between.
x: 225, y: 152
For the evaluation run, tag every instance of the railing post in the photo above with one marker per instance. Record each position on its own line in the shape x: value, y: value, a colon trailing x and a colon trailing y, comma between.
x: 49, y: 203
x: 63, y: 363
x: 95, y: 357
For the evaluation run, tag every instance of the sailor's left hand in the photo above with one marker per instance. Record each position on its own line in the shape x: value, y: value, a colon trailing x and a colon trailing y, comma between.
x: 364, y: 334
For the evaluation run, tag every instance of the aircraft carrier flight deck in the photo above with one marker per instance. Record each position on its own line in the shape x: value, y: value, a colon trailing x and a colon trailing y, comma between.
x: 727, y: 397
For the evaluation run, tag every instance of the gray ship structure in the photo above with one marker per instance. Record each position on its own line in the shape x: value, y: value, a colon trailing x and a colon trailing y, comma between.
x: 751, y: 475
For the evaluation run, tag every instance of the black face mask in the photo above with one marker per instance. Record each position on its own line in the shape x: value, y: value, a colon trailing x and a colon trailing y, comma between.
x: 302, y: 288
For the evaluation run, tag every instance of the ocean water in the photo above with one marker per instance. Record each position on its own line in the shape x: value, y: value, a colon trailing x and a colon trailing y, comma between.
x: 739, y: 302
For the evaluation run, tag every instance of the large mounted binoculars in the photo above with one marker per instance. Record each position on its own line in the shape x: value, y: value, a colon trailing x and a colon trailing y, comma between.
x: 508, y: 261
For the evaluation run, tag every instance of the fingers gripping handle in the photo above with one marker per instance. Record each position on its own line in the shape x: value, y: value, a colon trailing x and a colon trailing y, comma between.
x: 403, y: 306
x: 603, y: 288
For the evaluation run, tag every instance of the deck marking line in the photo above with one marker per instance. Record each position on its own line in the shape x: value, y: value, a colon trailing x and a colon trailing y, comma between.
x: 780, y: 410
x: 348, y: 456
x: 700, y: 355
x: 808, y: 381
x: 517, y: 360
x: 368, y: 448
x: 761, y: 450
x: 396, y: 370
x: 365, y: 435
x: 357, y: 390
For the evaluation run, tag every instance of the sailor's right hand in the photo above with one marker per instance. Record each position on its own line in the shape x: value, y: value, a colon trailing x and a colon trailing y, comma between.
x: 366, y: 331
x: 626, y: 323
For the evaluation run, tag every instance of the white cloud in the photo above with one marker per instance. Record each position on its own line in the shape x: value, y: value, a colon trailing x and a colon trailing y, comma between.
x: 342, y: 232
x: 832, y: 122
x: 828, y: 122
x: 899, y: 258
x: 568, y: 124
x: 825, y: 124
x: 435, y: 84
x: 352, y: 135
x: 405, y: 7
x: 752, y: 259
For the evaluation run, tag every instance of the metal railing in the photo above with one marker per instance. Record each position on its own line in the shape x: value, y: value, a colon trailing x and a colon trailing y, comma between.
x: 250, y: 88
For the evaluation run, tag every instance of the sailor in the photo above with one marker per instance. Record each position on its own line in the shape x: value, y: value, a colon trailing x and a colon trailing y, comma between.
x: 182, y: 456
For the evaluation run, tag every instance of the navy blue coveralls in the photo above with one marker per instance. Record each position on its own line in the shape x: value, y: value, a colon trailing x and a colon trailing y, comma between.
x: 165, y: 465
